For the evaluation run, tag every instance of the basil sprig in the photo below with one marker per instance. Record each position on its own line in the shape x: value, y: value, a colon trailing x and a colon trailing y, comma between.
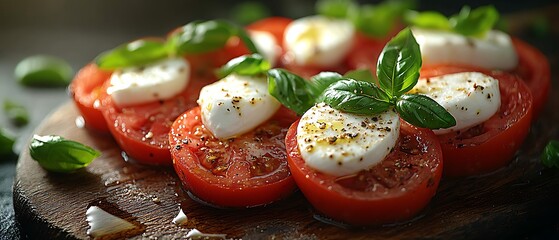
x: 54, y: 153
x: 397, y: 73
x: 373, y: 20
x: 192, y: 38
x: 550, y: 155
x: 468, y: 22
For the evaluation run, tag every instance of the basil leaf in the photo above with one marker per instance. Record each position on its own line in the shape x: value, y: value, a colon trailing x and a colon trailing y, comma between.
x: 243, y: 35
x: 291, y: 90
x: 6, y: 143
x: 356, y: 97
x: 364, y: 75
x: 474, y: 23
x: 249, y: 12
x: 16, y: 113
x: 43, y: 71
x: 245, y: 65
x: 135, y: 53
x: 378, y: 20
x: 429, y: 20
x: 200, y: 36
x: 55, y: 153
x: 550, y: 155
x: 399, y: 63
x: 422, y: 111
x: 321, y: 81
x: 335, y: 8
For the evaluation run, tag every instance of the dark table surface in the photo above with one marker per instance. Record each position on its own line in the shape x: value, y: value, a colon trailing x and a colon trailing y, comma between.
x: 78, y: 30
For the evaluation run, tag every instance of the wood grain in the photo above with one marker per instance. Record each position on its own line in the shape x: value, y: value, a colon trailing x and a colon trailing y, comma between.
x: 507, y: 203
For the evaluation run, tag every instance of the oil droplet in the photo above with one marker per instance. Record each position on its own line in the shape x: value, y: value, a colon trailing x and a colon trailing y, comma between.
x: 180, y: 219
x: 196, y: 234
x: 80, y: 122
x: 102, y: 223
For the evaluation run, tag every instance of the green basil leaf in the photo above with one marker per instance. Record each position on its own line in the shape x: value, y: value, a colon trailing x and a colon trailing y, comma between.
x: 6, y: 143
x: 378, y: 20
x: 335, y: 8
x: 245, y: 65
x: 201, y: 36
x: 321, y: 81
x: 16, y: 113
x: 135, y: 53
x: 249, y: 12
x: 475, y: 22
x: 399, y: 63
x: 429, y: 20
x: 291, y: 90
x: 357, y: 97
x: 55, y: 153
x: 364, y: 75
x: 43, y: 71
x: 550, y: 155
x: 243, y: 35
x: 422, y: 111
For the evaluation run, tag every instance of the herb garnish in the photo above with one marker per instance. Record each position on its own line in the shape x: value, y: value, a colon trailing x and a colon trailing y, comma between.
x: 43, y: 71
x: 16, y: 113
x: 550, y: 154
x: 54, y: 153
x: 6, y: 143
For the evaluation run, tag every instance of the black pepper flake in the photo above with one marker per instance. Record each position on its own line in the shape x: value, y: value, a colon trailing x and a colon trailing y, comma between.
x: 178, y: 147
x: 332, y: 139
x: 460, y: 145
x: 186, y: 141
x: 387, y: 129
x: 375, y: 119
x: 488, y: 96
x: 340, y: 163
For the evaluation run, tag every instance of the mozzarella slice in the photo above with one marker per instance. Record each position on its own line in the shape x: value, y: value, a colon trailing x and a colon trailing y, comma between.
x: 318, y: 40
x: 494, y: 51
x: 338, y: 143
x: 470, y: 97
x: 266, y: 43
x: 235, y: 105
x: 157, y: 81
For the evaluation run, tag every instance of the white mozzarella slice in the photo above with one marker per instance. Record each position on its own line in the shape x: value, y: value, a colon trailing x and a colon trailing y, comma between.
x: 470, y: 97
x: 318, y: 40
x: 266, y: 43
x: 235, y: 105
x: 493, y: 51
x: 338, y: 143
x: 157, y: 81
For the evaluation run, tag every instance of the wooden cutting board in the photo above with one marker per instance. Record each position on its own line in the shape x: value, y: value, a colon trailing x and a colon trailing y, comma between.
x: 508, y: 203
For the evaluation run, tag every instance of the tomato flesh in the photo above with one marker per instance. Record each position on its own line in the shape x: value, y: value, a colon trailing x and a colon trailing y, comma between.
x: 493, y: 143
x: 245, y: 171
x: 395, y: 190
x: 86, y: 91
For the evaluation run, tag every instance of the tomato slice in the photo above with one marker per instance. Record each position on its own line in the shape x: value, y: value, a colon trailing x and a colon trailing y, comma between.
x: 248, y: 170
x: 395, y: 190
x: 86, y: 91
x: 533, y: 68
x: 492, y: 144
x: 366, y: 51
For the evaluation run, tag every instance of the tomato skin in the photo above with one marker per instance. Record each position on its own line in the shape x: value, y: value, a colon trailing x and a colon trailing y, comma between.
x: 86, y: 90
x: 533, y: 68
x: 366, y: 51
x: 232, y: 186
x: 492, y: 144
x: 356, y: 207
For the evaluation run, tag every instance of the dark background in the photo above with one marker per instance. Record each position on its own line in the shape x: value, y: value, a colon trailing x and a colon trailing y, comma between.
x: 77, y: 30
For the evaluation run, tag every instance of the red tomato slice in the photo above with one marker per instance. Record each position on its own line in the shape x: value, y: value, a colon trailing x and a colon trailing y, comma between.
x: 395, y: 190
x: 86, y: 91
x: 492, y: 144
x: 534, y: 69
x: 366, y: 51
x: 248, y: 170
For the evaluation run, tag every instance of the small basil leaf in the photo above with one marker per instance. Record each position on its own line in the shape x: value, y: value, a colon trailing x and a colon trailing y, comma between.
x: 356, y: 97
x: 335, y: 8
x: 55, y: 153
x: 6, y: 144
x: 422, y: 111
x: 291, y: 90
x: 249, y: 12
x: 135, y: 53
x: 243, y: 35
x: 399, y: 63
x: 245, y: 65
x: 550, y: 155
x: 378, y: 20
x: 201, y: 36
x: 16, y: 113
x: 474, y: 22
x: 43, y: 71
x: 322, y: 80
x: 364, y: 75
x: 429, y: 20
